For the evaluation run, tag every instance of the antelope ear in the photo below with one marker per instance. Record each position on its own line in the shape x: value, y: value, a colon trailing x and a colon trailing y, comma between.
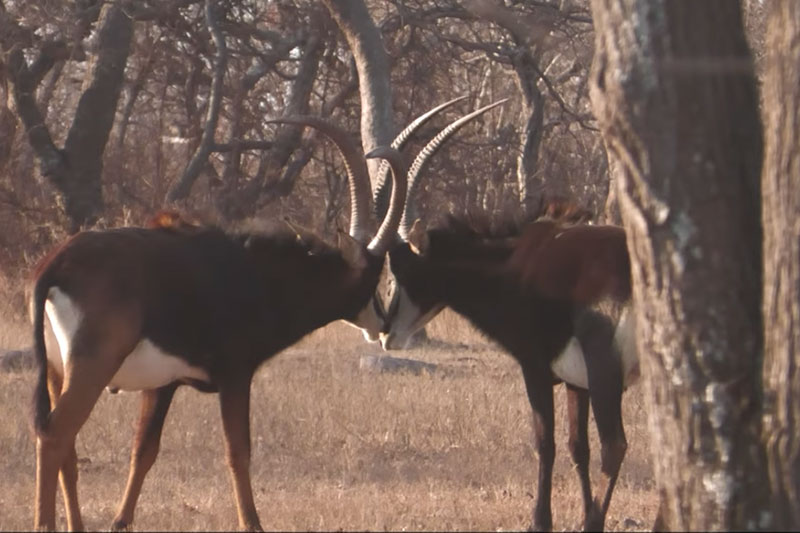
x: 352, y: 251
x: 418, y: 238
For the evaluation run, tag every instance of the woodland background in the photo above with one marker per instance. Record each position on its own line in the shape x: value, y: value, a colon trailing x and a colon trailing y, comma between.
x: 657, y: 115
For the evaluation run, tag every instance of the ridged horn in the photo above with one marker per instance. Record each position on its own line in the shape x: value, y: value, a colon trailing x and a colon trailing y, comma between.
x: 381, y: 194
x: 361, y: 223
x: 410, y: 212
x: 388, y: 230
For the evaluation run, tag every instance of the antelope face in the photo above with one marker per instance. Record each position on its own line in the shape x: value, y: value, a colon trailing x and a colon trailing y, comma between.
x: 412, y: 302
x: 371, y: 319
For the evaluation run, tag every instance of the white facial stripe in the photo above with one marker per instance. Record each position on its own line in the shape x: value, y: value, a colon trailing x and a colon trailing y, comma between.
x: 406, y: 320
x: 146, y: 367
x: 369, y: 322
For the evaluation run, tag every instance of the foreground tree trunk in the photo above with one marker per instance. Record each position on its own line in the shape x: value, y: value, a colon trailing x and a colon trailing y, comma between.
x: 674, y: 91
x: 781, y: 206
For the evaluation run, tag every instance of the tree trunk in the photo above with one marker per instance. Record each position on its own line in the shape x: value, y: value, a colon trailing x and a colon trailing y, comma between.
x: 781, y: 216
x: 531, y: 185
x: 76, y: 170
x: 675, y: 94
x: 527, y: 36
x: 364, y: 39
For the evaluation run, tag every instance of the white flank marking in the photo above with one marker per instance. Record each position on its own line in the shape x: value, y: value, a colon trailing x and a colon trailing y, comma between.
x: 149, y: 367
x: 571, y: 367
x: 65, y: 318
x: 146, y: 367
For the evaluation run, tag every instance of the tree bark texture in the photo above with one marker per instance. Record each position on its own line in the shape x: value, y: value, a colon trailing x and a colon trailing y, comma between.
x: 531, y: 185
x: 674, y: 91
x: 781, y: 216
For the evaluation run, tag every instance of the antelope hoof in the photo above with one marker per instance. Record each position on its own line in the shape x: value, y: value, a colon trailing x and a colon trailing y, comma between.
x: 534, y: 527
x: 120, y: 525
x: 595, y: 520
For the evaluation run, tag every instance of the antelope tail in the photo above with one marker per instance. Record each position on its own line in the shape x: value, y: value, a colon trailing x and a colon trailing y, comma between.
x: 41, y: 397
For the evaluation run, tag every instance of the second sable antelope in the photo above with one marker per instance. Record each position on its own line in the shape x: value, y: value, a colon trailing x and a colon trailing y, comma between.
x: 152, y: 308
x: 557, y: 297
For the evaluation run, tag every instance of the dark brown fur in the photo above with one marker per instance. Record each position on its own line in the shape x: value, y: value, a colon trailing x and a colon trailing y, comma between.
x: 581, y: 263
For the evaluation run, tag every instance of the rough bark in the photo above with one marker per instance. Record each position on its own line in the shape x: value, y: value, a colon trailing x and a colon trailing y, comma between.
x: 531, y: 185
x: 781, y: 216
x: 674, y: 90
x: 372, y: 63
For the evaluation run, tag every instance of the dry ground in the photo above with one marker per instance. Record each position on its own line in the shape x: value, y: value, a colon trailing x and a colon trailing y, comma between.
x: 336, y: 447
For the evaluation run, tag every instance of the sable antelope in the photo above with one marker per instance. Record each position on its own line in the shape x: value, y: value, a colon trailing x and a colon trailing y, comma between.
x: 151, y: 252
x: 152, y: 308
x: 557, y: 297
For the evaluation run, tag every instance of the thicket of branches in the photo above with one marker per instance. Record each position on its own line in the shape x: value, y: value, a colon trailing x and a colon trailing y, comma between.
x: 280, y: 57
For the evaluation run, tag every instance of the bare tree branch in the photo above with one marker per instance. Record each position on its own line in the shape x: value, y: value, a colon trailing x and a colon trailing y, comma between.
x: 183, y: 186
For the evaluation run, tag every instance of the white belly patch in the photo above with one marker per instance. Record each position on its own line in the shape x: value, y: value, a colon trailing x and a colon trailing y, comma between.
x: 149, y: 367
x: 146, y: 367
x: 571, y: 367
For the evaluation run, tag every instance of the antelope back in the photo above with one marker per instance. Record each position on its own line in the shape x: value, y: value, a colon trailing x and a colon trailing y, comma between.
x: 582, y: 264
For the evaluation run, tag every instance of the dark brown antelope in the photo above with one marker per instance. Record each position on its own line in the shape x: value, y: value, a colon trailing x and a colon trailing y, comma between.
x: 556, y: 296
x: 152, y: 308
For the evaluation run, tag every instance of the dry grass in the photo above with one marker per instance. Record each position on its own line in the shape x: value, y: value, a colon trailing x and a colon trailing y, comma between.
x: 336, y: 448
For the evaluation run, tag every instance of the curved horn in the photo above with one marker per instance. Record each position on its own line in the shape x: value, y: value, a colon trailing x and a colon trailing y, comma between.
x: 386, y: 233
x: 381, y: 194
x: 409, y: 214
x: 355, y: 165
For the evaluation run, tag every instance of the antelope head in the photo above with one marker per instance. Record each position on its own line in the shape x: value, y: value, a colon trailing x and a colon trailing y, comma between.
x: 410, y: 306
x: 371, y: 317
x: 361, y: 244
